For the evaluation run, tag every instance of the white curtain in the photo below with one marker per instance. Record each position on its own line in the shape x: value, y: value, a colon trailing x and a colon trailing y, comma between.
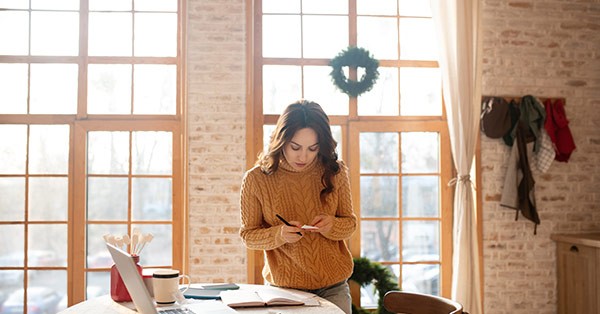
x: 457, y: 24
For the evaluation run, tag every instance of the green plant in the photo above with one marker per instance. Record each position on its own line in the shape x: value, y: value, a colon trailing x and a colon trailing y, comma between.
x: 368, y: 272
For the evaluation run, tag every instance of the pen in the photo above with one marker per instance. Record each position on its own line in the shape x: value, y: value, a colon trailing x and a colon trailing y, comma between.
x: 287, y: 223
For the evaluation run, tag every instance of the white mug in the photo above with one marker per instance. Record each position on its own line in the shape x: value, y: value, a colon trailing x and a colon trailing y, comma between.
x: 165, y: 283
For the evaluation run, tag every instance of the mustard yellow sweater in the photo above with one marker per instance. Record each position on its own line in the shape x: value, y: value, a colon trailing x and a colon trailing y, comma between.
x: 315, y: 261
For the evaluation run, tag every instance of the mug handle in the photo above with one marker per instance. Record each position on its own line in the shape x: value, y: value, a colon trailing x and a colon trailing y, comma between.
x: 189, y: 282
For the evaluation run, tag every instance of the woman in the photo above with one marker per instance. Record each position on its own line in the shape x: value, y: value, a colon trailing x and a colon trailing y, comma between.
x: 300, y: 178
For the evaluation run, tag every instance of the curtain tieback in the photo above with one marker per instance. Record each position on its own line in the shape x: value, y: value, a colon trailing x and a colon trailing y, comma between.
x: 465, y: 178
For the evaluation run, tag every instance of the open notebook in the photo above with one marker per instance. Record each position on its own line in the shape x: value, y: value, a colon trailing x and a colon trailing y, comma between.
x: 267, y: 296
x: 141, y: 298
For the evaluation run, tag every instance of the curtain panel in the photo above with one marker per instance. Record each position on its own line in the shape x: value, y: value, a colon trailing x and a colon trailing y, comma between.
x: 457, y: 25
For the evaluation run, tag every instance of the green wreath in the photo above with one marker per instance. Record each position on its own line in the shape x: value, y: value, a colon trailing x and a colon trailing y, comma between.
x: 367, y: 272
x: 354, y: 57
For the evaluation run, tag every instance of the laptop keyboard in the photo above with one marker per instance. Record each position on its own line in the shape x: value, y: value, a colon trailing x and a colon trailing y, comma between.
x: 176, y: 311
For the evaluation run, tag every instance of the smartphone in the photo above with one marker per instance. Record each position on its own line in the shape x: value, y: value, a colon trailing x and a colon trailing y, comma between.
x: 198, y: 293
x: 220, y: 286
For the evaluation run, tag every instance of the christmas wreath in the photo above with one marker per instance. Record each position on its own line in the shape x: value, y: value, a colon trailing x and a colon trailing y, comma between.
x: 367, y: 272
x: 354, y: 57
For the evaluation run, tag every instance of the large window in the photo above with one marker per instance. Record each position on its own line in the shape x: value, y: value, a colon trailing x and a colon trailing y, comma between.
x: 394, y: 138
x: 90, y: 141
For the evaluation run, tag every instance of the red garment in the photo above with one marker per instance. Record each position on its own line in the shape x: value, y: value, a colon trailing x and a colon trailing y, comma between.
x: 557, y: 127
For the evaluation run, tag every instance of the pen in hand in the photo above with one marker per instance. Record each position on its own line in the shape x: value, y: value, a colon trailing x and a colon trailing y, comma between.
x: 287, y: 223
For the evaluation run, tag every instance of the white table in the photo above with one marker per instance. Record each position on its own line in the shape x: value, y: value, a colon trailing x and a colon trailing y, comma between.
x: 105, y: 305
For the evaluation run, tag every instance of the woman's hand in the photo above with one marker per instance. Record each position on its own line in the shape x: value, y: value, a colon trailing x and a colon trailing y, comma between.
x: 291, y: 234
x: 324, y: 223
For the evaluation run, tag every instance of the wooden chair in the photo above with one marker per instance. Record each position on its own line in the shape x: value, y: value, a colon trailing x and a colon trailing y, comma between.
x: 417, y: 303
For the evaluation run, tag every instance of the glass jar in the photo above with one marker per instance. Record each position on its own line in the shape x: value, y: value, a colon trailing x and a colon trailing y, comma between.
x: 118, y: 291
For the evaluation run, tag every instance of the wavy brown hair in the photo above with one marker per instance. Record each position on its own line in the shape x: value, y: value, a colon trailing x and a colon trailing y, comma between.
x: 299, y: 115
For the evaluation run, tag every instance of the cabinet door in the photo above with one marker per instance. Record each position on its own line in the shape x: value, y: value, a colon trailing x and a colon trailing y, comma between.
x: 577, y: 279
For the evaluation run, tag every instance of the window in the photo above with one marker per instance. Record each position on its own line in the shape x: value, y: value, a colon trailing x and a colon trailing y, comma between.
x: 91, y: 141
x: 394, y: 138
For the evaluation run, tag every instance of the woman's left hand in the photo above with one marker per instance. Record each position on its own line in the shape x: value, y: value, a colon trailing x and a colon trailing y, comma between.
x: 323, y: 222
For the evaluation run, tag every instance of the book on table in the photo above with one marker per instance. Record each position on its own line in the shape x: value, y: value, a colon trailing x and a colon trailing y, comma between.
x: 264, y: 297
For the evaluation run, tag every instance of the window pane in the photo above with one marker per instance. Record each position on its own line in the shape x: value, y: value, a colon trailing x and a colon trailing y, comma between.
x: 13, y: 148
x: 109, y: 5
x: 422, y: 278
x: 12, y: 200
x: 53, y: 88
x: 48, y: 198
x: 108, y: 152
x: 336, y: 132
x: 378, y: 196
x: 110, y: 34
x: 155, y: 5
x: 324, y: 42
x: 157, y: 252
x: 318, y: 88
x: 152, y: 153
x: 417, y: 39
x: 152, y: 199
x: 415, y: 8
x: 281, y: 86
x: 11, y: 248
x: 325, y: 7
x: 379, y: 152
x: 98, y: 283
x: 54, y: 33
x: 377, y: 7
x: 14, y: 33
x: 281, y: 36
x: 420, y: 152
x: 421, y: 90
x: 281, y: 6
x: 109, y: 88
x: 49, y: 149
x: 13, y: 86
x: 55, y: 4
x: 14, y: 4
x: 97, y: 254
x: 379, y: 36
x: 420, y: 196
x: 379, y: 240
x: 46, y: 289
x: 107, y: 198
x: 420, y: 241
x: 155, y: 34
x: 12, y: 280
x: 47, y: 245
x: 154, y: 89
x: 382, y: 100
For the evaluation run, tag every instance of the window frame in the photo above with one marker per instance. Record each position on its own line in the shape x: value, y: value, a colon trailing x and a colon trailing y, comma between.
x: 80, y: 123
x: 351, y: 125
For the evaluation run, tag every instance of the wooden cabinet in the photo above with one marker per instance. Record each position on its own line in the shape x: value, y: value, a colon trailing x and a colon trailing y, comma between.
x: 578, y: 273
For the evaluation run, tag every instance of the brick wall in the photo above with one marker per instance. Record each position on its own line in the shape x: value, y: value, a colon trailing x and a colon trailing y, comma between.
x: 544, y: 48
x: 216, y: 57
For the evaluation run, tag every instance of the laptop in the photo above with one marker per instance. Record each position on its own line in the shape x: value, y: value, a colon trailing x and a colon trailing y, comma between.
x: 141, y: 298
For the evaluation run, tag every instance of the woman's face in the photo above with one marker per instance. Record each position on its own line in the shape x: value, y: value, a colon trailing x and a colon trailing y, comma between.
x: 302, y: 149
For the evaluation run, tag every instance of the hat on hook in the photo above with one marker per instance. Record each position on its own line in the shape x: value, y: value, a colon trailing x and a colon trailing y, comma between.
x: 495, y: 118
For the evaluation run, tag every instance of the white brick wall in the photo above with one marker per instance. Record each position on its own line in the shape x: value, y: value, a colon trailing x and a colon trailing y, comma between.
x: 544, y: 48
x: 216, y: 134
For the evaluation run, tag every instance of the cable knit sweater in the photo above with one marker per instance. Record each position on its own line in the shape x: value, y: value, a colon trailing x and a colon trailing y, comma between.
x: 315, y: 261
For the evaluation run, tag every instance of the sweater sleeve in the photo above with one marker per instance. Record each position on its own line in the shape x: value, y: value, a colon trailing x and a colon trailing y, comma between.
x: 254, y: 232
x: 345, y: 220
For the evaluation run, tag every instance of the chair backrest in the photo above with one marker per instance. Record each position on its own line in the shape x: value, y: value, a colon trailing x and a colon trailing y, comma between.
x: 418, y: 303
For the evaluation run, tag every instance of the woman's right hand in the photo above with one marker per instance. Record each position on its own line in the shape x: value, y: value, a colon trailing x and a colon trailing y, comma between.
x: 290, y: 233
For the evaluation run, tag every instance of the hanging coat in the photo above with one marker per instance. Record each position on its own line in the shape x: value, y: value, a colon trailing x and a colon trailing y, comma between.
x: 557, y: 126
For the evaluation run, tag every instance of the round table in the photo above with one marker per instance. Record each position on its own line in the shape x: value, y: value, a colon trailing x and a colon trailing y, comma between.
x: 105, y: 305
